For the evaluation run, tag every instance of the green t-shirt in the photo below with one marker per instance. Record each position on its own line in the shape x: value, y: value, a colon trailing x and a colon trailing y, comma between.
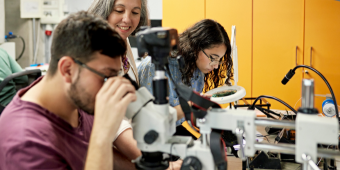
x: 9, y: 66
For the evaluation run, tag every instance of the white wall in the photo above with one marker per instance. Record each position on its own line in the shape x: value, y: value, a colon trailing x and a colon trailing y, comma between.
x: 2, y: 21
x: 155, y: 9
x: 78, y: 5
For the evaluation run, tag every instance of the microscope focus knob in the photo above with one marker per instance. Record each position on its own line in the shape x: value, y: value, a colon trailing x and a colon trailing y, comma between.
x: 191, y: 163
x: 150, y: 137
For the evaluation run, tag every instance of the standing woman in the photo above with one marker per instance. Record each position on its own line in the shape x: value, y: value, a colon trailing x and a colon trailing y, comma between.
x: 126, y: 17
x: 206, y: 50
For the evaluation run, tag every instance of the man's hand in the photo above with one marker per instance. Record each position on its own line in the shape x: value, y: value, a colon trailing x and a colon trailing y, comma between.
x: 110, y: 107
x: 176, y: 165
x: 111, y: 104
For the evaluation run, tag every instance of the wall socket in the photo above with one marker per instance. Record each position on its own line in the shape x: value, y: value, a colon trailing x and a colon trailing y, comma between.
x: 52, y: 11
x: 49, y: 11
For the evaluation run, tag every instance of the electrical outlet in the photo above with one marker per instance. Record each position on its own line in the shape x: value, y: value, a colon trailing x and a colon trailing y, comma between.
x: 50, y: 4
x: 52, y: 11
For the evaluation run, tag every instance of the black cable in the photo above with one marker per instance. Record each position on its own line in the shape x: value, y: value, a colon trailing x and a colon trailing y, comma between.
x: 23, y: 48
x: 252, y: 107
x: 291, y: 73
x: 264, y: 111
x: 328, y: 85
x: 11, y: 36
x: 260, y: 135
x: 267, y: 110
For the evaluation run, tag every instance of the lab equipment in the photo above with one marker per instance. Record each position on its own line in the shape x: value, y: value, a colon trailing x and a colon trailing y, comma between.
x: 234, y: 53
x: 224, y: 93
x: 240, y: 93
x: 328, y: 108
x: 153, y: 121
x: 152, y: 126
x: 12, y: 36
x: 291, y: 73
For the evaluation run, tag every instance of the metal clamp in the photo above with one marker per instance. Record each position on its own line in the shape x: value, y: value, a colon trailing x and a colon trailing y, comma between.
x: 307, y: 162
x: 239, y: 135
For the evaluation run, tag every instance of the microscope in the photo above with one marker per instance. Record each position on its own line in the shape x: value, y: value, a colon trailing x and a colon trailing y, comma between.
x: 154, y: 121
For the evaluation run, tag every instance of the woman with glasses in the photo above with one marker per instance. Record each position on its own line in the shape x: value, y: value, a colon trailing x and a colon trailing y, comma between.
x: 206, y: 50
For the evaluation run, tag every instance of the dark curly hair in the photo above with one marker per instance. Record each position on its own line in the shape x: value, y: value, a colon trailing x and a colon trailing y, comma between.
x: 205, y: 34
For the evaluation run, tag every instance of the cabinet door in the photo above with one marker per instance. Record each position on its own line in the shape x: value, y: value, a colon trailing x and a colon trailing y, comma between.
x: 238, y: 13
x: 181, y: 14
x: 277, y: 31
x: 322, y: 33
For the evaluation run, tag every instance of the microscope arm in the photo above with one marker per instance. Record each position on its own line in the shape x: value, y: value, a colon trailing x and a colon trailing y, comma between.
x: 143, y: 97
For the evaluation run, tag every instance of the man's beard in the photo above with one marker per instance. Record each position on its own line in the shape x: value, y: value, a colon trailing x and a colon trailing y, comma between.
x: 81, y: 98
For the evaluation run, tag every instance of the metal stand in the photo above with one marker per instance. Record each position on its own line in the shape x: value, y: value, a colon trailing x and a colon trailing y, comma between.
x: 246, y: 104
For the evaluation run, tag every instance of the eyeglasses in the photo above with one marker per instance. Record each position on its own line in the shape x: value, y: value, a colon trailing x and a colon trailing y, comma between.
x: 91, y: 69
x: 213, y: 61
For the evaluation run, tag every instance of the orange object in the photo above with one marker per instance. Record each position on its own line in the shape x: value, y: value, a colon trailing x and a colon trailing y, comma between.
x: 272, y: 38
x: 192, y: 131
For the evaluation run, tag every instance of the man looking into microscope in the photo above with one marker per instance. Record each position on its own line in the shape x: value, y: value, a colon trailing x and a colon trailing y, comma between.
x: 50, y: 124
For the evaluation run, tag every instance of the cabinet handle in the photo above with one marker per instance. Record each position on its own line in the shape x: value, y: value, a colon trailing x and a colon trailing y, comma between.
x: 311, y: 55
x: 296, y: 55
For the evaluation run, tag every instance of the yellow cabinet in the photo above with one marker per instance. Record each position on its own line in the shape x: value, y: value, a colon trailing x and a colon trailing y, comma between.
x: 272, y: 38
x: 238, y: 13
x: 277, y: 47
x: 322, y: 34
x: 182, y: 14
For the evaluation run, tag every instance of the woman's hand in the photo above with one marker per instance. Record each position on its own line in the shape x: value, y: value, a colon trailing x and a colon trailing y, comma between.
x: 206, y: 95
x: 176, y: 165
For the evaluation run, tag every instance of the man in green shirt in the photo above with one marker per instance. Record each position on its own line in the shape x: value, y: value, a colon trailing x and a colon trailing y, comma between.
x: 8, y: 66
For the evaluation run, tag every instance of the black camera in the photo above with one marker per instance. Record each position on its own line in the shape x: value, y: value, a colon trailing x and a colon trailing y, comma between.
x: 158, y: 42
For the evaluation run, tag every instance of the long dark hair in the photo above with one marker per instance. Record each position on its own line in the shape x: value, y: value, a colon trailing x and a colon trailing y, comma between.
x: 205, y: 34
